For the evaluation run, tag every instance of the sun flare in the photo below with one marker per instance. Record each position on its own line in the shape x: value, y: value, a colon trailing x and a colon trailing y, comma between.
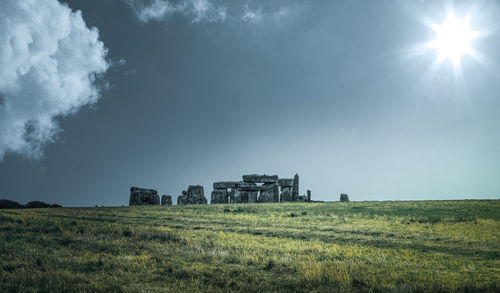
x: 453, y: 39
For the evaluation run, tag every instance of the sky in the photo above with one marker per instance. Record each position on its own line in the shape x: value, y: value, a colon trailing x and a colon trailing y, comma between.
x: 98, y: 96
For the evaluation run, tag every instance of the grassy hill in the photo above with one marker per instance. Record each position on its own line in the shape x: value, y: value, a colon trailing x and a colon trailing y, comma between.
x: 358, y: 246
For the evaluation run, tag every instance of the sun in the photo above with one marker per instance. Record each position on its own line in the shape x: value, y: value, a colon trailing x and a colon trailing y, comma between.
x: 453, y: 39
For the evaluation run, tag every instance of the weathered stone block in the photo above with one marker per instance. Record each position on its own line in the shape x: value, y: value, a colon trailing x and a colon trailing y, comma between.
x: 142, y: 196
x: 182, y: 200
x: 253, y: 188
x: 225, y: 184
x: 286, y: 194
x: 239, y: 196
x: 195, y: 195
x: 344, y: 197
x: 285, y: 182
x: 252, y: 196
x: 270, y: 194
x: 308, y: 195
x: 254, y: 178
x: 166, y: 200
x: 232, y: 184
x: 219, y: 196
x: 295, y: 188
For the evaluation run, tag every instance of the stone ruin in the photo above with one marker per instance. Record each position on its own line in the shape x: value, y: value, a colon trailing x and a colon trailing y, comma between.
x: 258, y: 188
x: 254, y: 188
x: 194, y: 195
x: 344, y: 197
x: 166, y: 200
x: 141, y: 196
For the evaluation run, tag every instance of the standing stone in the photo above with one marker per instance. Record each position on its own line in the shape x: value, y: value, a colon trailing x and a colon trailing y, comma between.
x: 237, y: 196
x: 295, y: 188
x: 286, y: 194
x: 252, y: 196
x: 142, y: 196
x: 182, y: 199
x: 166, y: 200
x: 195, y: 195
x: 219, y: 196
x: 244, y: 196
x: 270, y: 193
x: 344, y: 197
x: 308, y: 195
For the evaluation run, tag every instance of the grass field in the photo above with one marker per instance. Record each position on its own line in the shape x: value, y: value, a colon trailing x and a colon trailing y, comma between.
x: 436, y: 246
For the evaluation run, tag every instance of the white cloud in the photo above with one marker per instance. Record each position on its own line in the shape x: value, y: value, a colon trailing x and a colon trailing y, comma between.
x: 49, y: 61
x: 156, y: 10
x: 196, y: 10
x: 252, y: 16
x: 272, y: 15
x: 213, y: 11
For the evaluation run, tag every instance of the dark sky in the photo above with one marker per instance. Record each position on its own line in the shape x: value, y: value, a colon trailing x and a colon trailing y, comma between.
x: 336, y: 91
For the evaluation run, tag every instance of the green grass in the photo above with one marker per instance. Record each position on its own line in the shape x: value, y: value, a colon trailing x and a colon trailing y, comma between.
x: 429, y: 246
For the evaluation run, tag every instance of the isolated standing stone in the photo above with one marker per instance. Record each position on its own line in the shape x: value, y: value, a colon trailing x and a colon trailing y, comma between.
x: 295, y: 188
x: 308, y: 195
x: 344, y: 197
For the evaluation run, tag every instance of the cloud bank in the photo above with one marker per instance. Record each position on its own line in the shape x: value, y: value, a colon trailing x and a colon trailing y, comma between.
x: 214, y: 11
x: 49, y: 61
x: 196, y: 10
